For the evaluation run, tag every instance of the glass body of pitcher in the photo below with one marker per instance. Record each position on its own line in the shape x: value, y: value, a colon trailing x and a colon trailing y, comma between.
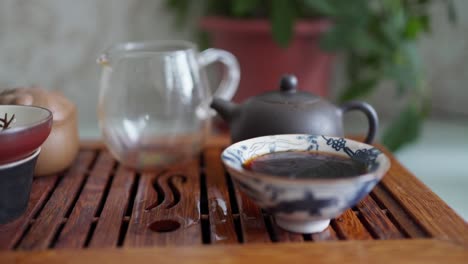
x: 154, y: 100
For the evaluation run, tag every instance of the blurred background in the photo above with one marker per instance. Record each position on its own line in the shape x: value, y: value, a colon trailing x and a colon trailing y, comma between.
x: 54, y: 44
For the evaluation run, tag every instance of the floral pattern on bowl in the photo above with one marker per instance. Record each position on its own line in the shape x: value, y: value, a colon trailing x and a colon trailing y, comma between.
x: 304, y: 205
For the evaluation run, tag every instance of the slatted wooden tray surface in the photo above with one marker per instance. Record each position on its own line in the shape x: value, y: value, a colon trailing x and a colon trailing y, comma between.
x: 99, y: 203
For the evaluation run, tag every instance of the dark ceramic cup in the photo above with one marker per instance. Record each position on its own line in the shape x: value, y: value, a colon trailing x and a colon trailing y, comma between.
x: 15, y: 186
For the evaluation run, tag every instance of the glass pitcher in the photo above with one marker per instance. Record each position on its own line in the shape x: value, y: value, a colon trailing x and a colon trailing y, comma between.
x: 154, y: 100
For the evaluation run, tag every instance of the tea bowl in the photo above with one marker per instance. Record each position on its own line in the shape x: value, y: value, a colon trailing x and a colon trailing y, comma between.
x: 23, y: 129
x: 15, y: 186
x: 304, y: 205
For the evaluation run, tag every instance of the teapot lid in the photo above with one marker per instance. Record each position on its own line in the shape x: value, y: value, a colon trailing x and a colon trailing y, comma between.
x: 288, y: 93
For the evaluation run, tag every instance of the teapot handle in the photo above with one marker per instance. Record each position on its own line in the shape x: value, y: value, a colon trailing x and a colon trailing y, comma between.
x: 370, y: 113
x: 228, y: 86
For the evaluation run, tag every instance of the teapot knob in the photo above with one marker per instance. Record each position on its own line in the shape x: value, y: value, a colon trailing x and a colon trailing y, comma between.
x: 288, y: 84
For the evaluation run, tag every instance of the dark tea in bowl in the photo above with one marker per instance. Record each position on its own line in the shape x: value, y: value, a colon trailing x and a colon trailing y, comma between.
x: 304, y: 180
x: 305, y: 165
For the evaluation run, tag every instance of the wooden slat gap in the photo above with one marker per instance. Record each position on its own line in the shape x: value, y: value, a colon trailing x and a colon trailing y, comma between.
x: 232, y: 194
x: 408, y: 226
x: 57, y: 234
x: 18, y: 242
x: 106, y: 191
x: 63, y: 196
x: 205, y: 221
x: 376, y: 222
x: 333, y: 227
x: 123, y: 233
x: 269, y: 227
x: 367, y: 226
x: 337, y: 230
x: 234, y: 206
x: 90, y: 234
x: 238, y: 227
x: 77, y: 196
x: 397, y: 225
x: 108, y: 227
x: 307, y: 237
x: 128, y: 212
x: 49, y: 195
x: 13, y: 232
x: 133, y: 191
x: 376, y: 199
x: 82, y: 185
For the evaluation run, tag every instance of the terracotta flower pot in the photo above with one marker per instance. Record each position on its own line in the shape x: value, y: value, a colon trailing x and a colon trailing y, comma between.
x: 263, y: 62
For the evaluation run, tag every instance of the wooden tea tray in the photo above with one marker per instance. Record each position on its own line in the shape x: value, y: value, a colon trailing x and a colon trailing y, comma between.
x: 99, y: 211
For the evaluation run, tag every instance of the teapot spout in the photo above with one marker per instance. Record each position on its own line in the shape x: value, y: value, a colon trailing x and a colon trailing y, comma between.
x: 226, y: 109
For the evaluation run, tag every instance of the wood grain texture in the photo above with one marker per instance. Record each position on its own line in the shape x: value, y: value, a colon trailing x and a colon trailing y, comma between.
x: 222, y: 229
x: 406, y: 223
x: 376, y: 220
x: 40, y: 190
x: 44, y: 228
x: 110, y: 221
x: 349, y: 227
x: 184, y: 209
x: 391, y: 251
x: 400, y: 206
x: 425, y: 207
x: 76, y: 229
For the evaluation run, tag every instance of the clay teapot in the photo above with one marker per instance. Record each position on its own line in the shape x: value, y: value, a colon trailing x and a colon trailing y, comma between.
x: 289, y: 111
x: 61, y: 147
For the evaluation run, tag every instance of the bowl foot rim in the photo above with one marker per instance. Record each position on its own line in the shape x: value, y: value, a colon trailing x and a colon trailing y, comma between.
x: 305, y: 227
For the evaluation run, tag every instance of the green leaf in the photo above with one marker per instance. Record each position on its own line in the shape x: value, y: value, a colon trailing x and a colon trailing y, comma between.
x: 413, y: 27
x: 242, y: 8
x: 358, y: 89
x: 405, y: 129
x: 364, y: 43
x: 283, y: 16
x: 323, y: 7
x: 203, y: 40
x: 405, y: 68
x: 339, y: 37
x: 392, y: 28
x: 181, y: 8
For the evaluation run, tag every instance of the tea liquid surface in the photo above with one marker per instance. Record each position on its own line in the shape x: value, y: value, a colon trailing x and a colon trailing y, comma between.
x: 305, y: 164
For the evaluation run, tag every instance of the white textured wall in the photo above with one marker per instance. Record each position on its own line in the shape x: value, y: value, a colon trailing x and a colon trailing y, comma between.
x: 445, y: 54
x: 54, y: 43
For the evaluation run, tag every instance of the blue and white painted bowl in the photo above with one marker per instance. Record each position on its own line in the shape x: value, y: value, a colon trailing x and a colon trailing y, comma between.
x: 304, y: 205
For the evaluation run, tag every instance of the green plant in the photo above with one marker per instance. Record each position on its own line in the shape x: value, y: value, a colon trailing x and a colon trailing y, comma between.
x: 378, y: 38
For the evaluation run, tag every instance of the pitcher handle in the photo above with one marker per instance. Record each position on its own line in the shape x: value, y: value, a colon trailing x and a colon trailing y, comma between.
x: 228, y: 86
x: 370, y: 113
